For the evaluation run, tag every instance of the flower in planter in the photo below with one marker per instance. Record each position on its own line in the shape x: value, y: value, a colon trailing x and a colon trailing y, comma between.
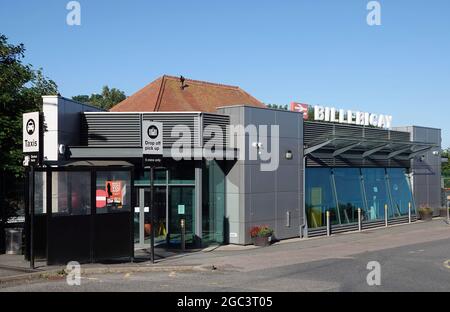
x: 261, y: 231
x: 426, y: 210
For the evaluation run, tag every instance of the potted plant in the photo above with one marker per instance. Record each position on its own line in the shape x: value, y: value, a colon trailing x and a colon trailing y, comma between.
x: 261, y: 235
x: 426, y: 213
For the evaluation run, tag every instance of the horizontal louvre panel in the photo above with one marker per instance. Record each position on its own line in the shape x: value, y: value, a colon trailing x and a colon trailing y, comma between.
x: 105, y: 129
x: 314, y: 131
x: 373, y: 133
x: 124, y: 129
x: 170, y: 121
x: 400, y: 136
x: 223, y: 121
x: 348, y: 131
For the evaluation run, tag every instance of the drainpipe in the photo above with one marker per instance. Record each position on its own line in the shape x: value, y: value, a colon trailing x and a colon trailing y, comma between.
x: 304, y: 226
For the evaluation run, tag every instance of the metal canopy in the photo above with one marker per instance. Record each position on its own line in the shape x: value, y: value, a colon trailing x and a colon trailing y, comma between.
x: 417, y: 152
x: 318, y: 146
x: 99, y: 153
x: 374, y: 150
x: 398, y: 152
x: 339, y: 145
x: 345, y: 149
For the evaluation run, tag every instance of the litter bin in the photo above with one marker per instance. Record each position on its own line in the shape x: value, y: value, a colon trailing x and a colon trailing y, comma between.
x: 13, y: 241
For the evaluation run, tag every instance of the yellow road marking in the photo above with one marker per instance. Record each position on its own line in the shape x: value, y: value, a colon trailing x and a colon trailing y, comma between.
x: 447, y: 264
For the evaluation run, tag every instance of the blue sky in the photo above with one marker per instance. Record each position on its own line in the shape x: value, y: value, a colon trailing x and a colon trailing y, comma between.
x: 312, y: 51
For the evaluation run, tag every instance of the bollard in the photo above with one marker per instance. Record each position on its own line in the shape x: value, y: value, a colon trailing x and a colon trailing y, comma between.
x: 409, y: 212
x: 448, y: 212
x: 386, y: 215
x: 359, y: 220
x: 183, y: 232
x: 328, y: 224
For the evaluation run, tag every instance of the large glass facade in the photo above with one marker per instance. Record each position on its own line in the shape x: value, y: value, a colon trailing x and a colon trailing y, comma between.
x: 376, y: 193
x: 349, y: 193
x: 351, y: 188
x: 400, y: 188
x: 175, y: 199
x: 320, y: 197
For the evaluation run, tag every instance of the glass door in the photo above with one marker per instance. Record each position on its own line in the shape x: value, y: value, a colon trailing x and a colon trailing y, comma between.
x: 181, y: 204
x: 142, y: 220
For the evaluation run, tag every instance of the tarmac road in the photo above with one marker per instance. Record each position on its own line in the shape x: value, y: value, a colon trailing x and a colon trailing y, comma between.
x: 418, y: 267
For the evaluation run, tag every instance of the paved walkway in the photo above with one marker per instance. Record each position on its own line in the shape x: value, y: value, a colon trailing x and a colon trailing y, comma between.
x: 296, y: 251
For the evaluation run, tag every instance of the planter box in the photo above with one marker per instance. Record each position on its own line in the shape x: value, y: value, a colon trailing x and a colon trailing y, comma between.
x: 425, y: 216
x: 261, y: 241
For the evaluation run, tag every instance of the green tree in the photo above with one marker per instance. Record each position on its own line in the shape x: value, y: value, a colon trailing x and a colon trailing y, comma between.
x: 81, y: 98
x: 276, y: 106
x: 446, y: 168
x: 21, y: 91
x: 107, y: 99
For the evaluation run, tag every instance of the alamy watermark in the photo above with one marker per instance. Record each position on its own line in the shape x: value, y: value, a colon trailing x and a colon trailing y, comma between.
x: 73, y: 18
x: 374, y: 15
x: 374, y: 276
x: 73, y: 270
x: 251, y: 142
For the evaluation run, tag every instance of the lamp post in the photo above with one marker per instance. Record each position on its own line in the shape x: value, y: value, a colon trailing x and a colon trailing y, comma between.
x: 448, y: 210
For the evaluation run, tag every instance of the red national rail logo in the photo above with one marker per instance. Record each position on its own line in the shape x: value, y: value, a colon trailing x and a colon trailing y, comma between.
x: 300, y: 108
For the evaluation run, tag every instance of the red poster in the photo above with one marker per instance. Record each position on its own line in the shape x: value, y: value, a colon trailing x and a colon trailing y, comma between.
x: 114, y: 192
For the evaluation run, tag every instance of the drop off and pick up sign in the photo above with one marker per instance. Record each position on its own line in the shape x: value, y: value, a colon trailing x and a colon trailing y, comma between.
x: 152, y: 139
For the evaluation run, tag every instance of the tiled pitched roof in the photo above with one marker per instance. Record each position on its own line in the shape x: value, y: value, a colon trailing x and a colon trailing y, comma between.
x: 166, y: 94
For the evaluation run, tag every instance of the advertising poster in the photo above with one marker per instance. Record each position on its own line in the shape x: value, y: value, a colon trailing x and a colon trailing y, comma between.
x: 114, y: 193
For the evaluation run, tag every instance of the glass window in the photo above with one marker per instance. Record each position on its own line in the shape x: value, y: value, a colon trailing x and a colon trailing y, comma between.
x: 71, y: 193
x: 40, y: 192
x: 159, y: 215
x: 144, y: 177
x: 113, y: 191
x: 400, y: 189
x: 213, y: 204
x: 376, y: 193
x: 319, y: 197
x: 349, y: 193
